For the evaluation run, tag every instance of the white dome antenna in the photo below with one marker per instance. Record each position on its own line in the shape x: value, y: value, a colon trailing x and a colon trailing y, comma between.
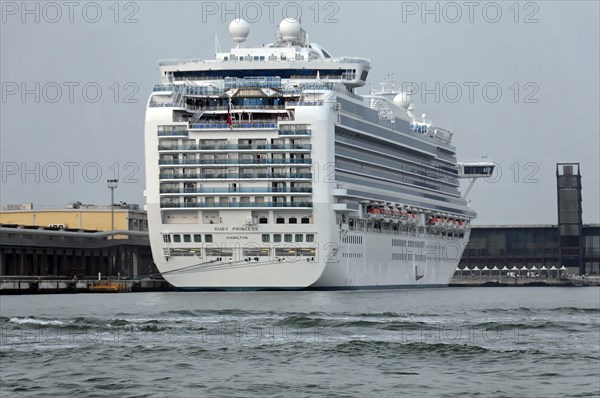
x: 239, y: 30
x: 402, y: 100
x: 290, y: 29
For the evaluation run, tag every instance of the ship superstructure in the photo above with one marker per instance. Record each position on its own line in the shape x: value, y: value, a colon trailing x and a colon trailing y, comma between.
x: 265, y: 170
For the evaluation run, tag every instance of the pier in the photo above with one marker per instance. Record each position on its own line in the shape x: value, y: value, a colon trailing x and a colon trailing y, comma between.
x: 52, y: 286
x: 49, y: 255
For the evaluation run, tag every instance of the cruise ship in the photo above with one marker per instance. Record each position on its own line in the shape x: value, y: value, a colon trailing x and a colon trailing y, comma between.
x: 265, y: 169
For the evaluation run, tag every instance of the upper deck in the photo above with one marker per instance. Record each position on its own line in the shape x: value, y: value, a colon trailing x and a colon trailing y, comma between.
x: 291, y: 56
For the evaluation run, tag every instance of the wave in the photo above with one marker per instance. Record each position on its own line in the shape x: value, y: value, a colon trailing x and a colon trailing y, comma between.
x: 35, y: 321
x: 527, y: 310
x: 391, y: 348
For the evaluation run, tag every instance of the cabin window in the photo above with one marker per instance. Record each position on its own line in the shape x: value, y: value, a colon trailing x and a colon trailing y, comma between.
x: 277, y: 238
x: 265, y: 238
x: 187, y: 238
x: 176, y: 238
x: 293, y: 220
x: 280, y: 220
x: 305, y: 220
x: 310, y: 237
x: 299, y: 237
x: 287, y: 237
x: 263, y: 220
x: 197, y: 238
x: 208, y: 238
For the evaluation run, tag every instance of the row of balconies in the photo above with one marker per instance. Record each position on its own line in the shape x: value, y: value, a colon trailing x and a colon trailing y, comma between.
x: 233, y: 161
x: 174, y: 205
x: 199, y: 147
x: 236, y: 190
x: 237, y: 176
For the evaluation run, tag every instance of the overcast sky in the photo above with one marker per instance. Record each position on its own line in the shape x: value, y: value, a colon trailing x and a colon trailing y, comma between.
x: 528, y: 77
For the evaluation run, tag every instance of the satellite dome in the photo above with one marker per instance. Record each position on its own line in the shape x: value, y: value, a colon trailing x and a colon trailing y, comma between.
x: 239, y: 29
x: 290, y: 29
x: 402, y: 100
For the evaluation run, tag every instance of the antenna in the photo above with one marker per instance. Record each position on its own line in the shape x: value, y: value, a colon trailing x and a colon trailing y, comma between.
x: 217, y: 45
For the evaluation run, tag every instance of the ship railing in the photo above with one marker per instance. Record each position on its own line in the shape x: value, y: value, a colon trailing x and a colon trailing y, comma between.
x: 235, y: 204
x: 167, y: 105
x: 187, y: 89
x: 169, y: 133
x: 236, y: 108
x: 240, y: 176
x: 232, y: 146
x: 349, y: 60
x: 437, y: 133
x: 295, y: 132
x: 253, y: 82
x: 233, y: 161
x: 305, y: 103
x: 164, y: 87
x: 237, y: 190
x: 236, y: 125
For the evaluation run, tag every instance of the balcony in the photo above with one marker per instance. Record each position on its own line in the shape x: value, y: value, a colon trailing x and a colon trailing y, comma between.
x: 241, y: 162
x: 295, y: 132
x: 228, y: 147
x: 235, y: 204
x: 173, y: 133
x: 305, y: 103
x: 237, y: 108
x: 235, y: 176
x: 235, y: 125
x: 237, y: 190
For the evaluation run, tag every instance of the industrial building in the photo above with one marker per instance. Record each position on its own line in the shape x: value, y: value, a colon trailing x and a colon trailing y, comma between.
x: 529, y: 245
x: 77, y: 216
x: 570, y: 243
x: 75, y: 241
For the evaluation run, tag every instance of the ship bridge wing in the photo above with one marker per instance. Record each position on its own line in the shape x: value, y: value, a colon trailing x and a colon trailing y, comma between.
x: 476, y: 170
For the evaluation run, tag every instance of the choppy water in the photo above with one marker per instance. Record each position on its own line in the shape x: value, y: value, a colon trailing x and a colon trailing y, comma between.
x: 489, y: 342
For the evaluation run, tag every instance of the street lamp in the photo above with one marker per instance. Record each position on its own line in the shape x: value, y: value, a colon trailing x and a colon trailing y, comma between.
x: 112, y: 185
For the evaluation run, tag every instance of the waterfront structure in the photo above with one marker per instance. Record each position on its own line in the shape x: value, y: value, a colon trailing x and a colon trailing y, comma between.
x: 74, y: 241
x: 265, y: 169
x: 518, y: 246
x: 30, y: 251
x: 570, y: 221
x: 77, y: 216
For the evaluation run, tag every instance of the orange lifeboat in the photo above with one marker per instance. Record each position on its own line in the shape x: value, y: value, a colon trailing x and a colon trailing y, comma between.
x: 387, y: 213
x: 395, y: 214
x: 373, y: 212
x: 413, y: 219
x: 403, y: 217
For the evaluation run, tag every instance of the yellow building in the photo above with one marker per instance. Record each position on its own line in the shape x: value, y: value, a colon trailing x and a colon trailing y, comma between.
x: 77, y: 216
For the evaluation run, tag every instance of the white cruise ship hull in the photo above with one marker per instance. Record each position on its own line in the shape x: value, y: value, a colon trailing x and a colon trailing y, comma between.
x: 367, y: 261
x: 265, y: 170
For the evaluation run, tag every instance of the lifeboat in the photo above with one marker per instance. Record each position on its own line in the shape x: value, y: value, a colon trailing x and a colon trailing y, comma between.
x: 450, y: 224
x: 403, y: 217
x: 374, y: 213
x: 387, y: 213
x: 412, y: 218
x: 461, y: 225
x: 395, y: 214
x: 438, y: 222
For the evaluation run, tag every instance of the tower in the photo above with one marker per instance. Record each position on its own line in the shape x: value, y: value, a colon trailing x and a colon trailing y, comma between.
x: 570, y: 222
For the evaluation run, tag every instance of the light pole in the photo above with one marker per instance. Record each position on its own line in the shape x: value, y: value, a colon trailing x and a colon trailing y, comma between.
x: 112, y: 185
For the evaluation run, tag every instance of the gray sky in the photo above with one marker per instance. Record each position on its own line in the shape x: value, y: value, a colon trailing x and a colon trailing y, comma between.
x: 542, y: 55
